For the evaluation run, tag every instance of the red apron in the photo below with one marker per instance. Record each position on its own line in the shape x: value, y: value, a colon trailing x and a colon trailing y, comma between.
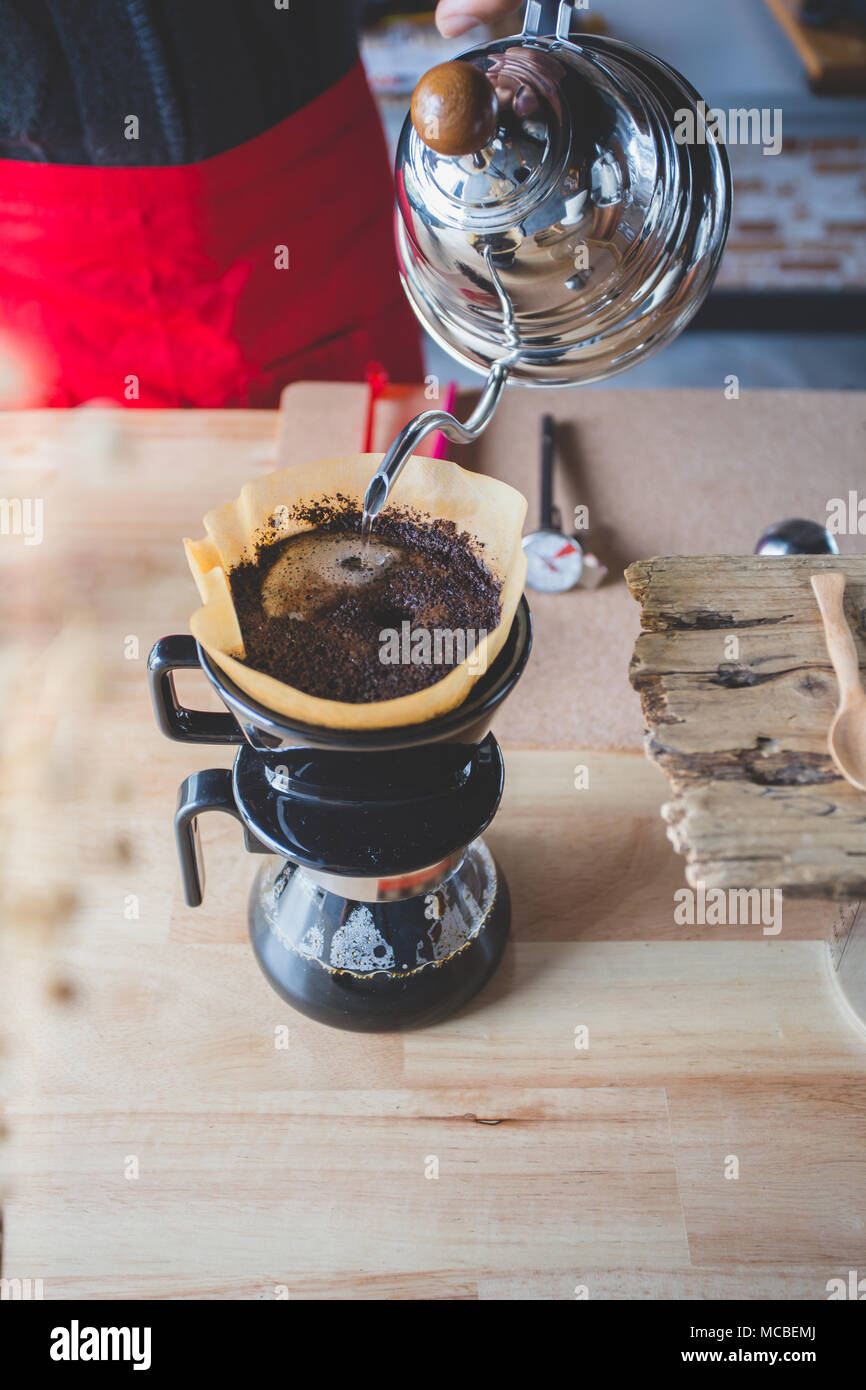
x: 210, y: 284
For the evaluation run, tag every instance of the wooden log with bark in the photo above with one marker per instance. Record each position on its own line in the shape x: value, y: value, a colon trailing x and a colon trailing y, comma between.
x: 738, y: 695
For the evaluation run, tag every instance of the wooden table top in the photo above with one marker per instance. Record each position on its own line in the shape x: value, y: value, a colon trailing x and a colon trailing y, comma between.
x: 161, y: 1140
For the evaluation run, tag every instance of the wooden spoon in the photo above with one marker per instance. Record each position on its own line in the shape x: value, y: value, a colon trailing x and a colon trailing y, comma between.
x: 847, y: 738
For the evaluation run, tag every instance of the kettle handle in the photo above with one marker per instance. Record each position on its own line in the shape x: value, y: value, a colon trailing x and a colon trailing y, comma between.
x: 210, y: 790
x: 548, y: 18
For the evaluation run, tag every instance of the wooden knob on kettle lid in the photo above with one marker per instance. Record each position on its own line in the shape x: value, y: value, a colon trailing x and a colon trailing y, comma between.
x: 454, y: 109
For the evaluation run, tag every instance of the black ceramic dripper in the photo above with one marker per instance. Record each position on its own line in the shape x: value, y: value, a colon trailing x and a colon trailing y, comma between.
x: 383, y: 908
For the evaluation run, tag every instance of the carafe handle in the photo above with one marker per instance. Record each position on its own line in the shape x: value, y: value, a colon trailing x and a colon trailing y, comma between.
x: 210, y: 790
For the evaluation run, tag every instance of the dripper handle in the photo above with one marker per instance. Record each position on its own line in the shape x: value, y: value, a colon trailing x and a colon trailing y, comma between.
x: 180, y: 653
x: 210, y: 790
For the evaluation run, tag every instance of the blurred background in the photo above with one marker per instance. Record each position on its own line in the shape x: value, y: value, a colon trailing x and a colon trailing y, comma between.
x: 789, y: 306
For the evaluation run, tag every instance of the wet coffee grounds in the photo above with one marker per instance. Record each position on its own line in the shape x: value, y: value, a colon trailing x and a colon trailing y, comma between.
x: 303, y: 625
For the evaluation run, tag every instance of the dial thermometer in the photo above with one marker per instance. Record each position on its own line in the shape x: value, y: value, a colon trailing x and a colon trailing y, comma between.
x: 554, y: 561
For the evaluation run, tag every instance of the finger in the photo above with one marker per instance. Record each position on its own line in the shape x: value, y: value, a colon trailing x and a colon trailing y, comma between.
x: 455, y: 17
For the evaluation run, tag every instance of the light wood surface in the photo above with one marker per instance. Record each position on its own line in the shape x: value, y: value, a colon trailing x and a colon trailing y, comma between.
x: 739, y: 696
x: 834, y: 56
x: 140, y: 1029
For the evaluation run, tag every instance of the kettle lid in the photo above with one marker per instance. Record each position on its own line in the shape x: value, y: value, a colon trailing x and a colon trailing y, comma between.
x: 491, y: 127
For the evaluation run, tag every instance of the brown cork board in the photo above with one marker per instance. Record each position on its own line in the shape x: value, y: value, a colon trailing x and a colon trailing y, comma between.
x: 661, y: 472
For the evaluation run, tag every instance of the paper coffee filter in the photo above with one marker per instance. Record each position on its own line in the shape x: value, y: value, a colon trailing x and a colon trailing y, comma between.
x: 491, y: 512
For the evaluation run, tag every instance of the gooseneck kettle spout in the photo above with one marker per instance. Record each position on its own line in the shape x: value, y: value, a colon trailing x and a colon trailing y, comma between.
x: 407, y: 441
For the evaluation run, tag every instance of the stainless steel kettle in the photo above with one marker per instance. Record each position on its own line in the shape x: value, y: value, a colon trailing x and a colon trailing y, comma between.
x: 562, y: 211
x: 581, y: 236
